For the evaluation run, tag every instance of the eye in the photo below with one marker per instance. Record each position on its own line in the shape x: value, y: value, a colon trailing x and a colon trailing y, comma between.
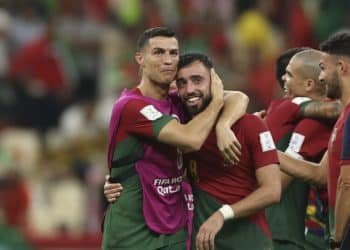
x: 180, y: 83
x: 196, y: 79
x: 174, y: 52
x: 158, y: 52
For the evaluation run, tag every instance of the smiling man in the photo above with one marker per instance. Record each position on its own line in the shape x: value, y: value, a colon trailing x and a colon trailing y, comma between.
x: 229, y: 200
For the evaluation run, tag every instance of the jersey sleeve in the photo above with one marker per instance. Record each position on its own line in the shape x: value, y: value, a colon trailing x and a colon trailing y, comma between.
x: 309, y: 140
x: 143, y: 119
x: 345, y: 155
x: 299, y: 104
x: 261, y: 144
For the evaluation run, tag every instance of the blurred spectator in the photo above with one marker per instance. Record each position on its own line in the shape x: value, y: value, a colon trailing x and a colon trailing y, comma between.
x: 28, y: 25
x: 300, y: 27
x: 7, y: 92
x: 14, y: 199
x: 83, y: 33
x: 41, y: 71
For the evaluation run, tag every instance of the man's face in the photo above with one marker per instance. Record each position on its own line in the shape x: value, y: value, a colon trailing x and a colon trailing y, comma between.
x: 193, y: 83
x: 293, y: 81
x: 160, y: 58
x: 329, y: 76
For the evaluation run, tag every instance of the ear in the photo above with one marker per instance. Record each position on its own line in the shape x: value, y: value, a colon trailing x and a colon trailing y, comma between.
x: 342, y: 66
x: 139, y: 58
x: 309, y: 84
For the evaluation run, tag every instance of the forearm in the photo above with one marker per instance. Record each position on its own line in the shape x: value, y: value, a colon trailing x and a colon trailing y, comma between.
x: 235, y: 106
x: 301, y: 169
x: 257, y: 200
x: 201, y: 125
x: 323, y: 110
x: 268, y: 192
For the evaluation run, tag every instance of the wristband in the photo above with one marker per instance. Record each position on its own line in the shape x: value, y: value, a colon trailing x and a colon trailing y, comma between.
x: 227, y: 212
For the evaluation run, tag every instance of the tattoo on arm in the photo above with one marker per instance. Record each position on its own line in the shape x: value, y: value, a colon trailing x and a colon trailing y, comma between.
x: 322, y: 110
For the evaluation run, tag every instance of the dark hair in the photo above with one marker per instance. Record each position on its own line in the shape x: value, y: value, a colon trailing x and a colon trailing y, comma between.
x: 153, y: 32
x: 282, y: 63
x: 189, y: 58
x: 337, y: 44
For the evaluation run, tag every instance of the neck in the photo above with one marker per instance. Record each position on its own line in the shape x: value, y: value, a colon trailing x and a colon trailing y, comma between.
x: 345, y: 94
x: 154, y: 90
x: 317, y: 96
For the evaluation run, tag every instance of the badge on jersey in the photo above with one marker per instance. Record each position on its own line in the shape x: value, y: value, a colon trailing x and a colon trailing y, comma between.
x: 151, y: 113
x: 266, y: 141
x: 296, y: 142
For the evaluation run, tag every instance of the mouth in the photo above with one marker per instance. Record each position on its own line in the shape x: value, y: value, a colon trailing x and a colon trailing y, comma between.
x: 168, y: 71
x: 192, y: 101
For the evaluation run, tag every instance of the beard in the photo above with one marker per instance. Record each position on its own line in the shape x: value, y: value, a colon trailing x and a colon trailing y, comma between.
x: 194, y: 110
x: 333, y: 87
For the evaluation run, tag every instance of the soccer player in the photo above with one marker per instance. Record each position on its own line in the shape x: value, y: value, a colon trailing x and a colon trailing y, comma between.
x: 334, y: 64
x: 229, y: 200
x: 302, y: 138
x: 144, y: 153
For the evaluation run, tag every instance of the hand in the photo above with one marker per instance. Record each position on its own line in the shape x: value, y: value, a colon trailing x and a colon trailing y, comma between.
x: 228, y: 144
x: 261, y: 114
x: 205, y: 239
x: 111, y: 190
x: 216, y: 88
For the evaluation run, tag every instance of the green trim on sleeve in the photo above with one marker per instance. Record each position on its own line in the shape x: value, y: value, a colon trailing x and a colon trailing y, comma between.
x: 160, y: 123
x: 303, y: 106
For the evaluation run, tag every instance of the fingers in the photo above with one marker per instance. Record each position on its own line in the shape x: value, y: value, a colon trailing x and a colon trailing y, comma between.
x: 211, y: 241
x: 205, y: 240
x: 232, y: 154
x: 112, y: 190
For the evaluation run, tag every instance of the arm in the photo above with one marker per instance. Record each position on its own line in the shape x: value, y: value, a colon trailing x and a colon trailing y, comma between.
x: 235, y: 105
x: 268, y: 192
x: 285, y: 180
x: 192, y: 135
x: 322, y: 110
x: 305, y: 170
x: 342, y: 205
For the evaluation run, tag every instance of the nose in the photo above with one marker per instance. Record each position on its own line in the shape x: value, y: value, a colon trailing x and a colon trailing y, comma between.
x: 168, y: 59
x: 284, y: 77
x: 190, y: 87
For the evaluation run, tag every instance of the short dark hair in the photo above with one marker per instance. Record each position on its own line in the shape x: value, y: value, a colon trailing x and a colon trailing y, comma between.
x: 282, y: 63
x: 189, y: 58
x: 153, y: 32
x: 337, y: 44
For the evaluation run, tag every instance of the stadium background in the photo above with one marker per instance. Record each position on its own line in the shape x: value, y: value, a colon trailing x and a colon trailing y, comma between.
x: 64, y: 62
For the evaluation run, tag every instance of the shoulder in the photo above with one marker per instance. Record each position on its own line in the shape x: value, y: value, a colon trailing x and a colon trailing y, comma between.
x: 249, y: 120
x: 135, y: 107
x: 300, y: 100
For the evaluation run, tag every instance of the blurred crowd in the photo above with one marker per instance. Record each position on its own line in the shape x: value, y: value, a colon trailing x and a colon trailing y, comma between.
x: 64, y: 62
